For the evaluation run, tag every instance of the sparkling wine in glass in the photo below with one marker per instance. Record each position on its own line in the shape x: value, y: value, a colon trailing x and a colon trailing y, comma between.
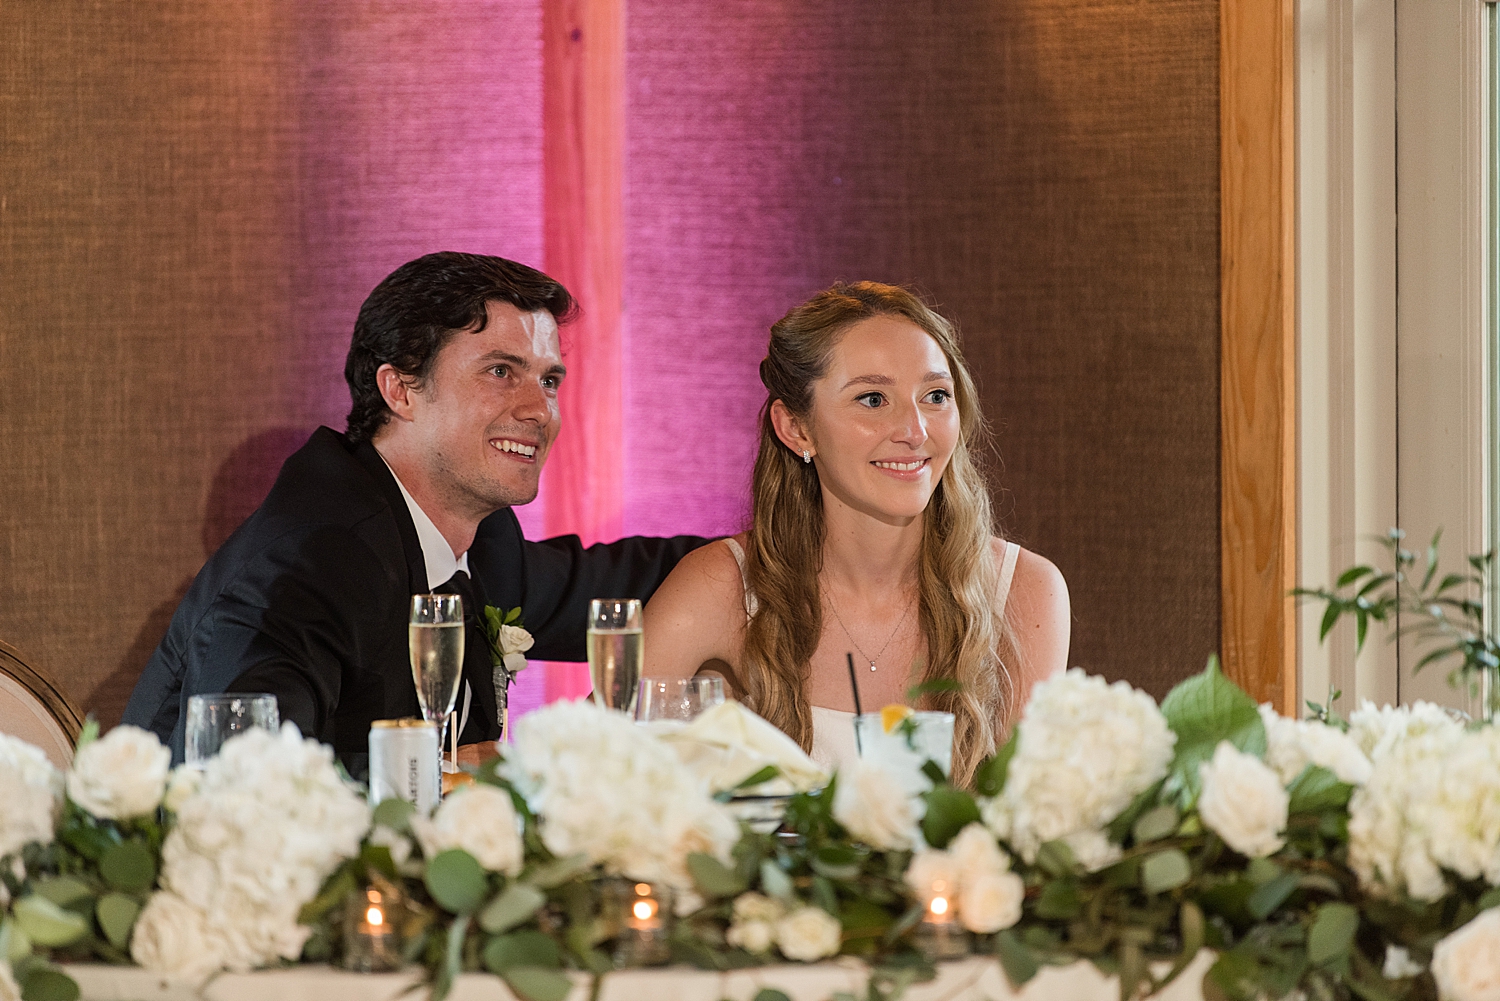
x: 616, y: 650
x: 436, y: 639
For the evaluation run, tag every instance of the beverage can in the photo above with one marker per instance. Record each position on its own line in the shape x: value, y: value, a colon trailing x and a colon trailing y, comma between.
x: 404, y: 762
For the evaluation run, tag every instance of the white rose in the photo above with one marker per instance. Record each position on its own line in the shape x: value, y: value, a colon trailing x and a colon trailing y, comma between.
x: 9, y: 989
x: 122, y: 774
x: 481, y: 820
x: 1399, y: 964
x: 991, y: 902
x: 399, y: 845
x: 808, y: 934
x: 975, y: 853
x: 754, y: 906
x: 752, y: 936
x: 181, y: 786
x: 932, y: 872
x: 1243, y: 801
x: 514, y: 639
x: 1466, y: 964
x: 172, y: 937
x: 29, y: 788
x: 876, y: 807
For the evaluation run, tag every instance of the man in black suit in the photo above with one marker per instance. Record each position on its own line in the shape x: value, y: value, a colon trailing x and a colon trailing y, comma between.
x: 454, y: 371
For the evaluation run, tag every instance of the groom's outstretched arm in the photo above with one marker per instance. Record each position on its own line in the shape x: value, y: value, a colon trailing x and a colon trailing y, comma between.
x: 562, y: 577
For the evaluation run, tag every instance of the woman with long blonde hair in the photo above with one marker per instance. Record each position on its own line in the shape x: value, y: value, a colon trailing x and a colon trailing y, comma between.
x: 871, y: 534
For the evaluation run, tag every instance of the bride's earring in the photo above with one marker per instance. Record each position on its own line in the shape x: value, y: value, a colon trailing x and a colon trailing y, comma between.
x: 806, y: 455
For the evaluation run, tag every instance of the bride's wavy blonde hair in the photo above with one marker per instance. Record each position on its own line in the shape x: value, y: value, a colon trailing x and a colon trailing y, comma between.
x: 968, y: 640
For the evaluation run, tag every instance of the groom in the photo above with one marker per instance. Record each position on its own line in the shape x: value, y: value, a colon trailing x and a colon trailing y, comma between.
x: 454, y: 372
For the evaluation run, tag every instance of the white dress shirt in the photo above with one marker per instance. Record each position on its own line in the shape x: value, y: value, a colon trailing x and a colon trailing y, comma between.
x: 436, y: 553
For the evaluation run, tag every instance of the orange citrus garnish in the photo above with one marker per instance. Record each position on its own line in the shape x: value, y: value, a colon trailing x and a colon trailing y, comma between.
x: 891, y: 717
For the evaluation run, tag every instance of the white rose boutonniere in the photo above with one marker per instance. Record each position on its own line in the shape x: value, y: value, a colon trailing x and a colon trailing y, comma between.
x: 508, y: 638
x: 122, y: 774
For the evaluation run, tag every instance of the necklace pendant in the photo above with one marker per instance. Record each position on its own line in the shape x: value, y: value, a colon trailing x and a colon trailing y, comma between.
x: 872, y: 665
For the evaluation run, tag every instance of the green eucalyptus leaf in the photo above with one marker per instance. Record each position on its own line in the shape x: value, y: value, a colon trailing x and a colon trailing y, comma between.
x: 771, y: 994
x: 559, y: 871
x: 714, y: 878
x: 395, y: 814
x: 378, y: 858
x: 1332, y: 933
x: 766, y: 774
x: 90, y: 842
x: 775, y: 881
x: 935, y: 685
x: 46, y: 924
x: 1056, y: 859
x: 456, y: 881
x: 515, y: 904
x: 1017, y: 960
x: 88, y: 734
x: 1059, y: 900
x: 128, y: 867
x: 1166, y: 870
x: 63, y: 890
x: 15, y: 945
x: 1271, y: 894
x: 949, y: 811
x: 46, y: 983
x: 535, y: 983
x: 452, y: 963
x: 1318, y: 789
x: 1204, y: 710
x: 989, y: 777
x: 117, y: 913
x: 1153, y: 825
x: 1490, y: 898
x: 522, y: 948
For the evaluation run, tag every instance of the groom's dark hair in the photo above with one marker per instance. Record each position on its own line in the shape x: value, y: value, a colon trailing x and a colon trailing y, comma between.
x: 412, y: 313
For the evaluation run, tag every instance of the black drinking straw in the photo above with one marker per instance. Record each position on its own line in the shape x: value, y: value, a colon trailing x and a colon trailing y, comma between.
x: 854, y: 687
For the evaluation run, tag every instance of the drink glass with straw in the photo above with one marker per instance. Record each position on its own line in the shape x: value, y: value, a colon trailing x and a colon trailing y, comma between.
x: 616, y: 649
x: 436, y: 639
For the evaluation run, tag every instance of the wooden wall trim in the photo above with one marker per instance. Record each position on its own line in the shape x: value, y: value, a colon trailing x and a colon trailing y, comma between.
x: 583, y: 59
x: 1258, y: 346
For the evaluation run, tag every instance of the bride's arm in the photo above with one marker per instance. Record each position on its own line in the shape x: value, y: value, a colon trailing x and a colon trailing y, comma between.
x: 1041, y: 618
x: 696, y: 616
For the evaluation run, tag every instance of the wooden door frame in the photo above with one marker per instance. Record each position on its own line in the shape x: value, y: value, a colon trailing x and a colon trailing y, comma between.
x: 1258, y: 427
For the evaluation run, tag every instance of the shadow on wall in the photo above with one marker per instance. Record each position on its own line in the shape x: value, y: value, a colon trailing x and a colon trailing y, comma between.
x: 241, y: 483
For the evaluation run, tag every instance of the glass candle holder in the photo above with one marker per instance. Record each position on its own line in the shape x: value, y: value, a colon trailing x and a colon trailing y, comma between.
x: 939, y: 936
x: 372, y: 943
x: 640, y: 916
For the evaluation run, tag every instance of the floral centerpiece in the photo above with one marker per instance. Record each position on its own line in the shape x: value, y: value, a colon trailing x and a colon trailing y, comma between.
x: 1356, y: 859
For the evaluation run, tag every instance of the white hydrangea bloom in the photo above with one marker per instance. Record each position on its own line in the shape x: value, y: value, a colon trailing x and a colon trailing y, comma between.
x: 1243, y: 801
x: 30, y: 788
x: 122, y: 774
x: 612, y: 791
x: 1086, y: 750
x: 269, y: 821
x: 1395, y: 814
x: 1293, y: 744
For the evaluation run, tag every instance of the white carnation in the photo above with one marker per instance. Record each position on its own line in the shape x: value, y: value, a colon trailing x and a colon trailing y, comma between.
x: 1466, y: 964
x: 482, y: 821
x: 122, y: 774
x: 878, y: 805
x: 270, y: 819
x: 809, y: 934
x: 615, y: 793
x: 29, y: 788
x: 991, y: 902
x: 1243, y: 801
x: 1086, y: 750
x: 171, y: 938
x: 1293, y: 744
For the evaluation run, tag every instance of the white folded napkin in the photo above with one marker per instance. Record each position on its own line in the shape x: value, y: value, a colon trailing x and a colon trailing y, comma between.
x: 729, y: 743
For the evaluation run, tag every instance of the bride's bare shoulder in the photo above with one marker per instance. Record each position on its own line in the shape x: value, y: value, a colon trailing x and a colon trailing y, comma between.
x: 697, y: 615
x: 706, y: 578
x: 1039, y: 611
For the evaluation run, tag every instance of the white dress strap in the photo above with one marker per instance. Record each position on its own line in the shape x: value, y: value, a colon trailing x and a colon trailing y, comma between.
x: 751, y: 605
x: 1007, y: 572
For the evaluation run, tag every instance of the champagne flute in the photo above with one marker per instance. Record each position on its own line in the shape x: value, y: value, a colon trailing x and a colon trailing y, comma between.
x: 436, y: 639
x: 616, y: 650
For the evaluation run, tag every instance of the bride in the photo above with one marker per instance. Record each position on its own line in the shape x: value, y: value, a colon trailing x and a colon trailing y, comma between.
x: 870, y: 535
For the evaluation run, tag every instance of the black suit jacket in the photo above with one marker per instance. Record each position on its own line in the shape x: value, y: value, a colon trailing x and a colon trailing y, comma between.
x: 309, y: 600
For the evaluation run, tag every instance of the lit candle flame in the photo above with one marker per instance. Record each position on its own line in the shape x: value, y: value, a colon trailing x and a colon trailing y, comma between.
x: 939, y: 905
x: 374, y: 916
x: 644, y: 909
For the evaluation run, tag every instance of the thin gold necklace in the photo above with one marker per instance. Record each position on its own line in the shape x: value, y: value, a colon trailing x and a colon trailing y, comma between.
x: 899, y: 623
